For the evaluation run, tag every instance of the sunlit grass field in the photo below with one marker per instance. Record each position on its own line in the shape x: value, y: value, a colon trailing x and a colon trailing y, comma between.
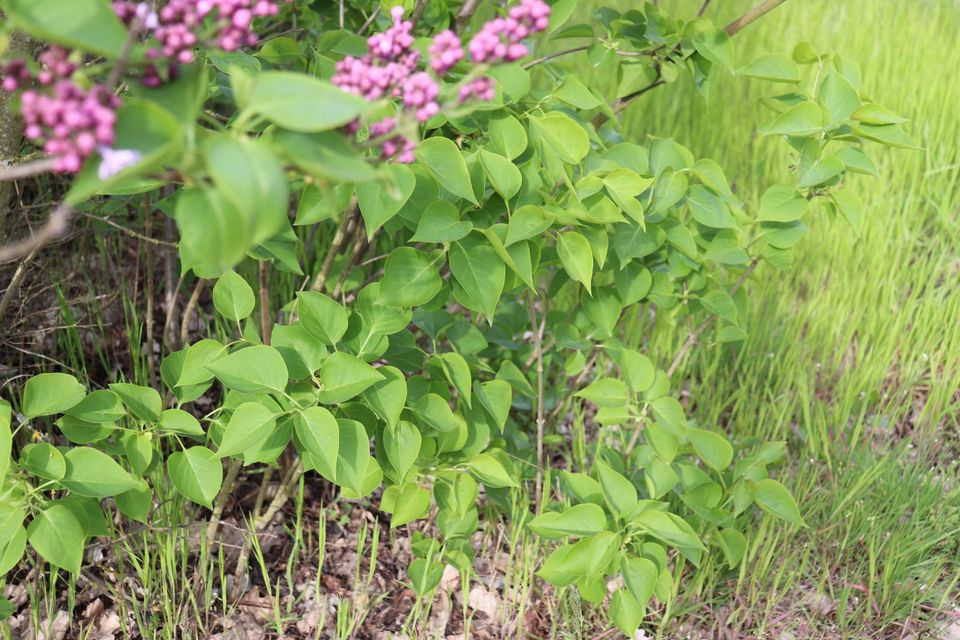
x: 853, y: 354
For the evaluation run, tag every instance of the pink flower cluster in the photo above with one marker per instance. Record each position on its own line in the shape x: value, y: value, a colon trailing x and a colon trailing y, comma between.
x: 499, y: 40
x: 72, y: 122
x: 389, y: 70
x: 175, y: 27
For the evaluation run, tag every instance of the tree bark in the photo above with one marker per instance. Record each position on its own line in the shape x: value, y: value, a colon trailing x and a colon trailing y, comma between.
x: 11, y: 137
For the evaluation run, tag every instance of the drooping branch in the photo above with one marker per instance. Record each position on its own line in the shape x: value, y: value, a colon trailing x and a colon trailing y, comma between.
x: 56, y: 225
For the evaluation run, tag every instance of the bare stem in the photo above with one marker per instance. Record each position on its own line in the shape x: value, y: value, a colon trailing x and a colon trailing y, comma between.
x: 552, y: 56
x: 344, y: 231
x: 26, y: 170
x: 190, y: 308
x: 265, y: 324
x: 56, y: 225
x: 15, y: 281
x: 752, y: 16
x: 226, y: 490
x: 538, y: 329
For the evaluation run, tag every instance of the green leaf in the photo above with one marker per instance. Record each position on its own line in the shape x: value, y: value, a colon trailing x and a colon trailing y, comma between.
x: 582, y: 487
x: 90, y: 472
x: 436, y: 413
x: 444, y: 159
x: 668, y: 527
x: 839, y: 97
x: 57, y: 535
x: 179, y: 421
x: 233, y: 297
x: 412, y: 503
x: 803, y: 119
x: 669, y: 412
x: 318, y: 432
x: 618, y: 491
x: 380, y: 201
x: 508, y: 136
x: 402, y: 442
x: 410, y: 277
x: 250, y: 177
x: 90, y: 25
x: 714, y: 45
x: 250, y: 423
x: 12, y: 552
x: 856, y: 160
x: 775, y: 499
x: 712, y: 448
x: 576, y: 257
x: 49, y: 393
x: 775, y: 67
x: 481, y: 273
x: 638, y: 372
x: 872, y: 113
x: 527, y: 222
x: 640, y: 577
x: 44, y: 460
x: 822, y: 171
x: 143, y: 402
x: 354, y: 455
x: 325, y: 155
x: 605, y: 392
x: 502, y: 173
x: 457, y: 371
x: 300, y: 102
x: 257, y: 369
x: 733, y: 544
x: 563, y: 136
x: 200, y: 354
x: 490, y: 470
x: 579, y: 520
x: 626, y: 612
x: 196, y: 473
x: 708, y: 209
x: 441, y: 223
x: 214, y: 233
x: 781, y: 203
x: 720, y: 304
x: 345, y: 376
x: 98, y: 406
x: 323, y: 317
x: 425, y: 576
x: 850, y: 207
x: 388, y: 396
x: 137, y: 503
x: 496, y: 397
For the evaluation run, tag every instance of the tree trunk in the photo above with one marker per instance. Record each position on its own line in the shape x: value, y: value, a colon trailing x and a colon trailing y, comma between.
x: 11, y: 137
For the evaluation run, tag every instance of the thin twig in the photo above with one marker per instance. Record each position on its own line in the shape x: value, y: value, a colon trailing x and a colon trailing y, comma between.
x: 752, y: 16
x: 552, y: 56
x: 26, y: 169
x: 340, y: 238
x: 265, y: 324
x: 168, y: 332
x: 226, y: 490
x: 703, y: 7
x: 466, y: 12
x: 130, y: 232
x: 56, y: 225
x: 190, y: 308
x: 731, y: 29
x: 366, y: 25
x: 151, y: 271
x: 15, y: 281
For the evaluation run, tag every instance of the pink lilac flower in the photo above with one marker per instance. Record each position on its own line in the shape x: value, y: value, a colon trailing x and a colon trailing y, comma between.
x: 499, y: 40
x: 71, y: 122
x: 176, y: 25
x: 445, y: 52
x: 480, y: 89
x: 15, y: 75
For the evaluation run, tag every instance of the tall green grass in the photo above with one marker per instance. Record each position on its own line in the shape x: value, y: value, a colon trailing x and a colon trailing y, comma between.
x: 853, y: 354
